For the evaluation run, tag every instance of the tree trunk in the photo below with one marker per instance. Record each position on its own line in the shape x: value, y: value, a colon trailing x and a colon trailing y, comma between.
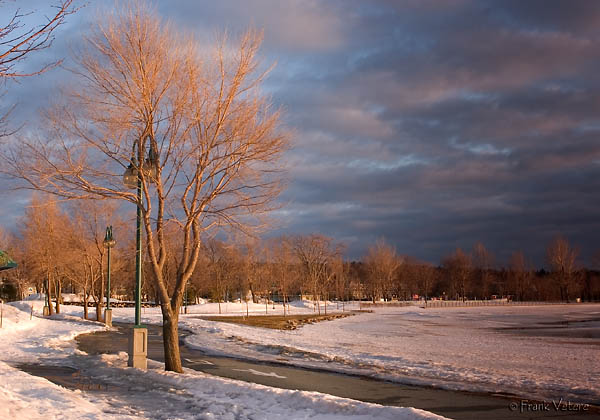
x: 284, y: 314
x: 171, y: 340
x: 254, y: 297
x: 48, y: 289
x: 85, y: 304
x: 58, y: 294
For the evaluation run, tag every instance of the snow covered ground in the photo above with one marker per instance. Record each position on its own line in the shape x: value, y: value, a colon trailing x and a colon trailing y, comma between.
x: 142, y: 394
x: 525, y: 350
x: 544, y: 352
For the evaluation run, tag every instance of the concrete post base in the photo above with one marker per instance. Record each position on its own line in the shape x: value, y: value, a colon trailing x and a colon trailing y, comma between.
x: 46, y: 311
x: 138, y: 348
x: 108, y: 317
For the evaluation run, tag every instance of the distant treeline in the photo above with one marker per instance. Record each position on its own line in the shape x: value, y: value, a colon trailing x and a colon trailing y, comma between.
x: 61, y: 250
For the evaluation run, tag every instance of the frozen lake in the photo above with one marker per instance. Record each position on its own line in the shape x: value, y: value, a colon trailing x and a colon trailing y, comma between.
x: 545, y: 351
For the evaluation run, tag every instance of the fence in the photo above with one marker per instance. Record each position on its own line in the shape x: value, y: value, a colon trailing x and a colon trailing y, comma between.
x: 456, y: 303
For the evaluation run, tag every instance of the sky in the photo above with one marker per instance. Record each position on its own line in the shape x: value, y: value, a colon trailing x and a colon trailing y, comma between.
x: 433, y: 124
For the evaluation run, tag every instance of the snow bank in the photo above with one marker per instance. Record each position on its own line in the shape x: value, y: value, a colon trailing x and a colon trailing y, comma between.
x: 23, y: 396
x: 143, y: 394
x: 29, y: 339
x: 454, y: 348
x: 209, y: 397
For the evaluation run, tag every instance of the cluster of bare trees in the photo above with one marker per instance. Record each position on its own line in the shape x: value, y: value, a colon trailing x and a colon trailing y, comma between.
x: 60, y: 250
x: 274, y: 269
x: 475, y: 275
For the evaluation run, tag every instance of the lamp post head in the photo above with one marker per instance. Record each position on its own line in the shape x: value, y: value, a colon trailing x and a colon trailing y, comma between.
x: 149, y: 166
x: 109, y: 241
x: 130, y: 177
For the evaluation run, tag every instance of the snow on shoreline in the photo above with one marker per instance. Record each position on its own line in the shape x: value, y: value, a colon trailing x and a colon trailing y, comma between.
x: 143, y: 394
x: 228, y: 398
x: 467, y: 349
x: 453, y: 348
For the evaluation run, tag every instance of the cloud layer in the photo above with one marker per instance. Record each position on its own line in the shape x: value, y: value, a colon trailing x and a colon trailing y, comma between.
x: 434, y: 124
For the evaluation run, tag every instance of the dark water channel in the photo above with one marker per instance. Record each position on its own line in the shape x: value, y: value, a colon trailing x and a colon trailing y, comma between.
x: 453, y: 404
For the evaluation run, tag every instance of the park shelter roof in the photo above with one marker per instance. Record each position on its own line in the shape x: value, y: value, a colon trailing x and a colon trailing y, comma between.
x: 6, y: 262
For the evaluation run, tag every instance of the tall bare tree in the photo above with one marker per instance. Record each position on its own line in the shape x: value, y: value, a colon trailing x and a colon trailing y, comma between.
x: 214, y: 140
x: 521, y: 273
x: 483, y: 261
x: 46, y: 231
x: 282, y: 268
x: 92, y: 217
x: 561, y: 258
x: 382, y: 265
x: 315, y: 254
x: 460, y: 268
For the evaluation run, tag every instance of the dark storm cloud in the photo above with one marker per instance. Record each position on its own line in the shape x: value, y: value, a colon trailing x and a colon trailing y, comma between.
x: 436, y: 124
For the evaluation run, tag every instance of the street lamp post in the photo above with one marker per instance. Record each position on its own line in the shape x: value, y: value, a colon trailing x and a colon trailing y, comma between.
x: 132, y: 178
x: 109, y: 242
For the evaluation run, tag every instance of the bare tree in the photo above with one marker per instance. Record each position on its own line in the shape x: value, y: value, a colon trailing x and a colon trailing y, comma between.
x: 214, y: 140
x: 426, y: 280
x: 283, y: 264
x: 315, y: 254
x: 341, y: 283
x: 521, y: 273
x: 45, y: 230
x: 18, y: 41
x: 483, y: 261
x: 459, y: 267
x: 92, y: 217
x: 382, y: 264
x: 561, y: 258
x: 223, y: 265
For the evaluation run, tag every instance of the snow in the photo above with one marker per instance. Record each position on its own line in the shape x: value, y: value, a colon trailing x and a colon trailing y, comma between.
x: 142, y: 394
x: 469, y: 348
x: 36, y: 340
x: 472, y: 349
x: 23, y: 396
x: 221, y: 398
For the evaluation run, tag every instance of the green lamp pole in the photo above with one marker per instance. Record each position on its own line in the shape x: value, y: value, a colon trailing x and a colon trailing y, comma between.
x: 138, y: 258
x: 109, y: 242
x: 132, y: 178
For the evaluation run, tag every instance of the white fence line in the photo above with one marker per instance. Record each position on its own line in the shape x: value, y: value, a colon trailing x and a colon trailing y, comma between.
x: 458, y: 303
